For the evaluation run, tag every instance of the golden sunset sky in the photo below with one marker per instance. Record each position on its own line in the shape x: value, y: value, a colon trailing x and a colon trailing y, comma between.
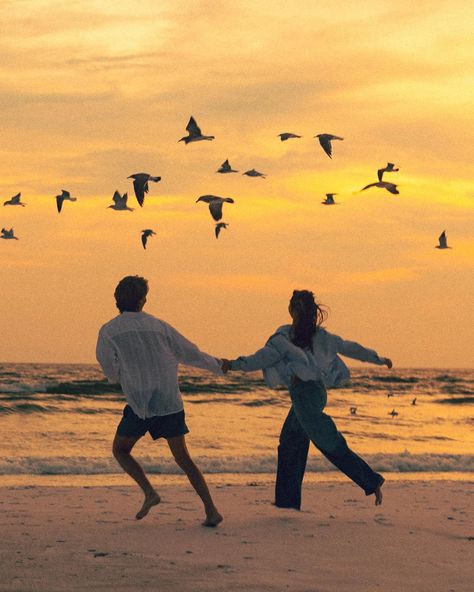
x: 93, y: 91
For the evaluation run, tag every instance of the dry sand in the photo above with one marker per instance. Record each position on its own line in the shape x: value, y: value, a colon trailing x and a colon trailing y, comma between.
x: 86, y: 538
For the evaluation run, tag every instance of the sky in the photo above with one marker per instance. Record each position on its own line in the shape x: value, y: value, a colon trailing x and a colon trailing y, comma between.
x: 93, y: 91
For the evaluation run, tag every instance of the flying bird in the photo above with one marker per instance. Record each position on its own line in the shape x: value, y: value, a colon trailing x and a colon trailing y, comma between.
x: 443, y: 241
x: 215, y: 204
x: 14, y: 201
x: 254, y: 173
x: 226, y: 168
x: 393, y: 413
x: 390, y: 187
x: 388, y: 169
x: 120, y: 202
x: 219, y: 227
x: 194, y: 133
x: 287, y: 135
x: 65, y: 196
x: 145, y: 234
x: 325, y: 141
x: 140, y: 185
x: 329, y: 201
x: 8, y: 234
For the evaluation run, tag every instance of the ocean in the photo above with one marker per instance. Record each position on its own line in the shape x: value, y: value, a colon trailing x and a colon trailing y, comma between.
x: 58, y: 420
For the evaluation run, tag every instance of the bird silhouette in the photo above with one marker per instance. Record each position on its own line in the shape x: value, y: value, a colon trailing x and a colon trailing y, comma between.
x: 353, y: 410
x: 194, y: 133
x: 325, y: 141
x: 414, y: 401
x: 145, y: 234
x: 15, y: 201
x: 120, y: 202
x: 254, y: 173
x: 215, y: 204
x: 140, y: 185
x: 390, y: 187
x: 443, y: 241
x: 329, y: 201
x: 219, y: 227
x: 8, y: 234
x: 65, y: 196
x: 388, y: 169
x: 287, y: 135
x: 393, y: 413
x: 226, y: 168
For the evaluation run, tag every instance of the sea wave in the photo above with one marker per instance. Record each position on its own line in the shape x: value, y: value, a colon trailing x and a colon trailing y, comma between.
x: 82, y: 465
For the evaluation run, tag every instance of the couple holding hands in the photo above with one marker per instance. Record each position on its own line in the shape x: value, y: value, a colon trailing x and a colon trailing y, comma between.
x: 142, y: 353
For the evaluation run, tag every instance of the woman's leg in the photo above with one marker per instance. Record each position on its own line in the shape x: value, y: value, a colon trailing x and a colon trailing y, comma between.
x: 292, y: 455
x: 309, y: 400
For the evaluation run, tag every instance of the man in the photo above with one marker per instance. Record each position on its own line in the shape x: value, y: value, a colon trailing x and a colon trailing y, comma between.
x: 142, y: 353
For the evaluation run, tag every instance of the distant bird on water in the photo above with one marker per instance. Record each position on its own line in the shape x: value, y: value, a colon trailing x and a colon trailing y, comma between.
x: 14, y: 201
x: 390, y: 187
x: 414, y: 401
x: 8, y: 234
x: 287, y: 135
x: 215, y: 204
x: 329, y: 201
x: 393, y: 413
x: 388, y: 169
x: 219, y: 227
x: 194, y: 133
x: 140, y: 185
x: 254, y: 173
x: 120, y: 202
x: 65, y: 196
x: 353, y: 410
x: 325, y: 141
x: 145, y: 234
x: 443, y: 241
x: 226, y: 168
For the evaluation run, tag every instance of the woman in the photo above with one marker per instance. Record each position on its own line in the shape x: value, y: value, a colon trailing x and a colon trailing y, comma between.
x: 303, y: 357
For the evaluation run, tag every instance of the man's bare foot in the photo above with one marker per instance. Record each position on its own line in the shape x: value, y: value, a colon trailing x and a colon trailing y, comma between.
x: 150, y: 501
x: 378, y: 494
x: 213, y: 519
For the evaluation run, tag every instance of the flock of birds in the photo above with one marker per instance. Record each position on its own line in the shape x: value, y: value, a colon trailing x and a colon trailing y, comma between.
x: 215, y: 202
x: 393, y: 413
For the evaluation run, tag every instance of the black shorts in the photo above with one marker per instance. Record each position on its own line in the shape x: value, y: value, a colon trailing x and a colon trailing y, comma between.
x: 159, y: 426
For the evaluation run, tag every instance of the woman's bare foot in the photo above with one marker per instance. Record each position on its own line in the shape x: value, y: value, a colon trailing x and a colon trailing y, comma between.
x: 378, y: 494
x: 150, y: 501
x: 212, y: 519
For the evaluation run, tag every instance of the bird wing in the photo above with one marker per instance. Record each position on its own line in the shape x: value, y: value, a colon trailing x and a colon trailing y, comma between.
x: 192, y: 128
x: 16, y: 198
x: 59, y: 202
x: 144, y: 239
x: 117, y: 198
x: 392, y: 188
x: 215, y: 207
x: 140, y: 190
x: 380, y: 173
x: 218, y: 230
x: 367, y: 186
x: 65, y: 194
x: 206, y: 198
x: 326, y: 146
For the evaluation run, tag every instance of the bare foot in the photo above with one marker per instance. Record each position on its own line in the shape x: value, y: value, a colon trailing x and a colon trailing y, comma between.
x: 150, y: 501
x: 213, y: 519
x: 378, y: 494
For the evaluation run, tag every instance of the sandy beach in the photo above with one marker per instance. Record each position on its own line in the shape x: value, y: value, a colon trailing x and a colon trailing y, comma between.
x: 86, y: 538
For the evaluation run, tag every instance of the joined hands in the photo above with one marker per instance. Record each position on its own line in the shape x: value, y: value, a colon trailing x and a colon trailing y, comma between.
x: 226, y: 365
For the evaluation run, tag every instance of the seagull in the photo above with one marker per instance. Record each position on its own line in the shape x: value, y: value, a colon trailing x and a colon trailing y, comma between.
x: 194, y: 132
x: 353, y: 410
x: 389, y: 394
x: 414, y: 401
x: 8, y: 234
x: 287, y: 135
x: 329, y: 201
x: 120, y: 202
x: 226, y: 168
x: 140, y: 185
x: 388, y: 169
x: 393, y: 413
x: 145, y: 234
x: 325, y: 141
x: 219, y: 227
x: 14, y: 201
x: 391, y: 187
x: 254, y: 173
x: 443, y: 241
x: 65, y: 195
x: 215, y: 204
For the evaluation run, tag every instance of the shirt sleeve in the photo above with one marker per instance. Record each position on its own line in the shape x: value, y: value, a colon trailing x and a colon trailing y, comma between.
x: 107, y: 357
x: 354, y: 350
x: 268, y: 355
x: 190, y: 355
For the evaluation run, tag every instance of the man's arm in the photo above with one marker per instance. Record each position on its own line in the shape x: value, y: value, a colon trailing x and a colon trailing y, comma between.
x: 107, y: 358
x: 189, y: 354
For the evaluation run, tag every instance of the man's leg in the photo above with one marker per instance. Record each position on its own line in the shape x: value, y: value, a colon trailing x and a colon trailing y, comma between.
x: 292, y: 455
x: 122, y: 448
x: 185, y: 462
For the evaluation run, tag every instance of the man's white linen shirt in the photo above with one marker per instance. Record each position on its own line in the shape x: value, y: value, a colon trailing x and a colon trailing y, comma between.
x: 142, y: 353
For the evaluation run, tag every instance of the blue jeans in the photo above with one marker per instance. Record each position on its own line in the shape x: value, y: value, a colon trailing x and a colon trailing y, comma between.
x: 306, y: 421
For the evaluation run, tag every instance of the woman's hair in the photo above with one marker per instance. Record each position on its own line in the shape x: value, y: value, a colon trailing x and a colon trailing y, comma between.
x: 130, y: 292
x: 308, y: 316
